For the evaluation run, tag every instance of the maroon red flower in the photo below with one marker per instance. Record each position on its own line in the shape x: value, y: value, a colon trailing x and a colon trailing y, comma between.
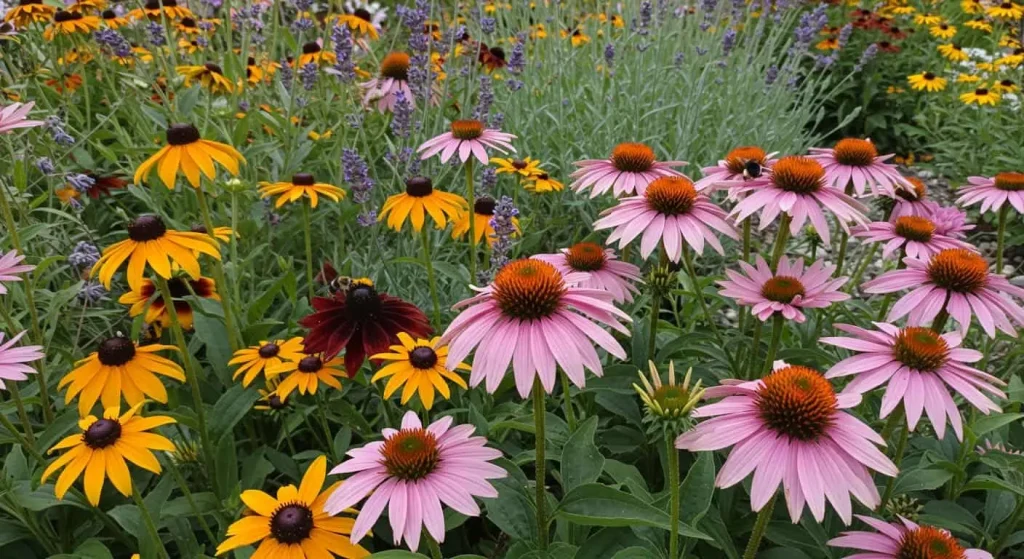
x: 104, y: 184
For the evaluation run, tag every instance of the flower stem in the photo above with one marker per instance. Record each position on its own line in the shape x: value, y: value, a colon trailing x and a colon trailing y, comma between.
x: 746, y: 258
x: 940, y: 321
x: 652, y: 339
x: 147, y: 519
x: 22, y: 414
x: 321, y: 404
x: 435, y: 550
x: 897, y: 458
x: 862, y: 267
x: 29, y: 444
x: 780, y: 240
x: 308, y: 239
x: 471, y: 200
x: 760, y: 526
x: 1001, y: 236
x: 673, y: 488
x: 218, y: 272
x: 778, y: 323
x: 688, y: 261
x: 431, y: 278
x: 844, y: 240
x: 539, y: 474
x: 755, y: 347
x: 570, y: 415
x: 191, y: 501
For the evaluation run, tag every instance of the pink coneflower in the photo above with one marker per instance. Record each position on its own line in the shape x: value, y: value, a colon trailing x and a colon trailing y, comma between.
x: 854, y: 161
x: 13, y: 116
x: 629, y: 170
x: 913, y: 200
x: 10, y: 265
x: 956, y: 281
x: 13, y: 359
x: 914, y: 234
x: 414, y: 471
x: 670, y: 211
x: 951, y: 221
x: 598, y: 267
x: 788, y: 428
x: 467, y: 137
x: 918, y: 364
x: 787, y: 291
x: 995, y: 191
x: 795, y: 186
x: 394, y: 78
x: 534, y: 318
x: 899, y: 540
x: 744, y: 162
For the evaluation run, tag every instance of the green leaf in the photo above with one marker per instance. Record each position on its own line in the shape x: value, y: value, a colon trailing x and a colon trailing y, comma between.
x: 581, y: 462
x: 696, y: 490
x: 607, y: 542
x: 512, y: 511
x: 594, y: 504
x: 920, y: 479
x: 11, y: 532
x: 634, y: 552
x: 15, y: 464
x: 93, y: 549
x: 987, y: 423
x: 398, y: 554
x: 226, y: 464
x: 990, y: 483
x: 230, y: 408
x: 350, y: 416
x: 157, y: 496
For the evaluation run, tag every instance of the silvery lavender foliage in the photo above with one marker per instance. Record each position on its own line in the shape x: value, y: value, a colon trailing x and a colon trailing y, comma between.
x: 728, y: 41
x: 504, y: 212
x: 91, y: 293
x: 307, y: 75
x: 341, y: 43
x: 155, y: 34
x: 84, y: 255
x: 844, y: 34
x: 488, y: 181
x: 45, y: 165
x: 869, y: 53
x: 285, y: 74
x: 402, y: 120
x: 114, y: 41
x: 357, y: 174
x: 56, y: 128
x: 80, y: 182
x: 484, y: 100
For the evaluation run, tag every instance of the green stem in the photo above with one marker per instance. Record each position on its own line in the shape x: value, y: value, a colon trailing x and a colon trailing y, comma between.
x: 897, y: 458
x: 30, y: 446
x: 570, y: 415
x: 940, y: 321
x: 431, y: 278
x: 539, y: 475
x: 862, y: 267
x: 652, y: 340
x: 844, y: 240
x: 22, y: 414
x: 173, y: 468
x: 321, y: 403
x: 435, y: 550
x: 746, y: 240
x: 692, y: 271
x: 147, y: 519
x: 755, y: 348
x: 1004, y: 534
x: 780, y: 240
x: 760, y: 526
x: 218, y: 272
x: 778, y: 323
x: 673, y: 488
x: 1000, y: 236
x: 308, y: 238
x: 471, y: 199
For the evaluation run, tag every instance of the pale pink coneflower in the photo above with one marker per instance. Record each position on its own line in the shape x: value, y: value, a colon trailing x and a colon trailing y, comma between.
x: 414, y: 471
x: 914, y: 234
x: 599, y: 267
x: 12, y: 117
x: 744, y: 162
x: 898, y: 540
x: 795, y: 186
x: 951, y: 221
x: 855, y: 162
x: 913, y: 201
x: 669, y: 212
x: 536, y: 319
x: 955, y: 281
x: 10, y: 265
x: 995, y: 191
x: 467, y: 138
x: 629, y: 170
x: 13, y: 359
x: 394, y: 78
x: 917, y: 365
x: 789, y: 428
x: 787, y: 291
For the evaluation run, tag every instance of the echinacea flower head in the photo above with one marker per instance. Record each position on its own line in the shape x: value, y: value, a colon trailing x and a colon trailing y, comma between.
x: 919, y: 368
x: 993, y: 192
x: 914, y: 235
x: 670, y: 212
x: 419, y: 200
x: 414, y: 472
x: 208, y: 75
x: 913, y: 201
x: 294, y: 523
x: 744, y: 162
x: 790, y: 428
x: 537, y: 320
x: 668, y: 404
x: 70, y: 23
x: 420, y: 365
x: 155, y: 10
x: 927, y: 81
x: 467, y: 138
x: 13, y: 359
x: 394, y: 78
x: 12, y: 117
x: 10, y: 267
x: 150, y: 242
x: 797, y: 187
x: 361, y: 321
x: 267, y: 357
x: 956, y: 281
x: 904, y: 539
x: 148, y: 299
x: 787, y: 291
x: 483, y: 214
x: 102, y: 447
x: 951, y: 221
x: 855, y: 162
x: 598, y: 268
x: 306, y: 371
x: 187, y: 152
x: 631, y: 167
x: 302, y: 184
x: 526, y: 166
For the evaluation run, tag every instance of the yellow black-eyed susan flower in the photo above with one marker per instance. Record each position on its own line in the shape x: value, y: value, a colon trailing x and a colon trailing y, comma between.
x: 257, y: 71
x: 110, y: 19
x: 980, y: 24
x: 980, y: 96
x: 306, y: 374
x: 149, y: 299
x: 360, y: 22
x: 542, y: 182
x: 87, y: 6
x: 953, y: 52
x: 927, y: 19
x: 102, y: 447
x: 269, y: 400
x: 267, y: 357
x: 209, y: 75
x: 70, y: 23
x: 927, y: 81
x: 188, y: 152
x: 155, y: 9
x: 1005, y: 86
x: 315, y: 53
x: 968, y: 78
x: 302, y: 184
x: 420, y: 199
x: 27, y: 12
x: 943, y: 31
x: 525, y: 167
x: 1005, y: 10
x: 420, y: 365
x: 576, y: 36
x: 483, y: 212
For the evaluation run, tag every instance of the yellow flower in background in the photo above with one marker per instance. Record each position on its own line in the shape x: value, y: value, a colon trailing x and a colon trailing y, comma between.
x: 112, y: 20
x: 101, y: 449
x: 209, y: 75
x: 927, y: 81
x: 979, y: 24
x: 542, y: 182
x: 268, y: 357
x: 156, y: 9
x: 70, y: 23
x: 1005, y: 86
x: 1009, y: 41
x: 1005, y: 10
x: 526, y: 167
x: 1012, y: 60
x: 421, y: 367
x: 903, y: 10
x: 538, y: 31
x: 313, y: 52
x: 576, y: 36
x: 27, y: 12
x: 989, y: 66
x: 967, y: 78
x: 360, y: 24
x: 953, y: 52
x: 188, y: 152
x: 927, y: 19
x: 306, y: 374
x: 68, y: 194
x: 830, y: 43
x: 147, y: 298
x: 972, y: 6
x: 943, y: 31
x: 419, y: 200
x: 302, y: 184
x: 483, y: 212
x: 980, y: 96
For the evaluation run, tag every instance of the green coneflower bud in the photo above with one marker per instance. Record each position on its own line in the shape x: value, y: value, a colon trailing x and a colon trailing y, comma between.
x: 661, y: 279
x: 668, y: 405
x: 904, y: 506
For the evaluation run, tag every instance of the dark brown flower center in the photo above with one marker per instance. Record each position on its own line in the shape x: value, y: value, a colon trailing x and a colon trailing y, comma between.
x: 958, y: 269
x: 797, y: 402
x: 182, y: 134
x: 213, y: 68
x: 146, y: 228
x: 419, y: 187
x: 671, y: 195
x: 782, y: 289
x: 62, y: 16
x: 276, y: 403
x: 395, y: 66
x: 633, y: 157
x: 303, y: 179
x: 736, y: 161
x: 423, y: 357
x: 311, y: 47
x: 856, y: 152
x: 363, y: 14
x: 467, y: 129
x: 1010, y: 181
x: 484, y: 206
x: 362, y: 301
x: 915, y: 228
x: 188, y: 22
x: 922, y: 349
x: 291, y: 523
x: 927, y: 542
x: 918, y: 193
x: 411, y: 454
x: 251, y: 61
x: 109, y: 14
x: 519, y: 164
x: 528, y: 289
x: 102, y: 433
x: 928, y: 76
x: 116, y: 351
x: 269, y: 350
x: 1006, y: 83
x: 585, y: 257
x: 310, y: 364
x: 981, y: 92
x: 798, y: 174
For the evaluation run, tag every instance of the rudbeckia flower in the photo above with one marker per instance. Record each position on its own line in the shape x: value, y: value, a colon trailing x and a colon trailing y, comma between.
x: 629, y: 170
x: 155, y: 9
x: 208, y: 75
x: 268, y: 358
x: 149, y: 299
x: 597, y: 267
x: 927, y: 19
x: 149, y: 241
x: 943, y: 31
x: 27, y: 12
x: 302, y: 184
x: 897, y: 540
x: 1005, y: 10
x: 120, y: 367
x: 542, y: 182
x: 419, y: 200
x: 526, y: 167
x: 467, y: 138
x: 483, y: 213
x: 953, y: 52
x: 980, y: 96
x: 188, y: 152
x: 112, y: 20
x: 360, y: 22
x: 927, y: 81
x: 256, y: 72
x: 294, y: 525
x: 313, y: 52
x: 421, y: 366
x: 13, y: 359
x: 306, y: 373
x: 70, y: 23
x: 102, y: 448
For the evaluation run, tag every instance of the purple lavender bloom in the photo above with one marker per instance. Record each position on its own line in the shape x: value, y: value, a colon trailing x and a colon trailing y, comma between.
x: 771, y: 75
x: 844, y: 34
x: 488, y: 180
x: 81, y: 183
x: 57, y: 133
x: 155, y: 34
x: 514, y: 85
x: 728, y: 41
x: 356, y: 172
x: 488, y: 24
x: 84, y: 255
x: 517, y: 60
x: 286, y: 75
x: 45, y: 165
x: 609, y: 54
x: 402, y: 111
x: 485, y: 99
x: 869, y: 53
x: 92, y: 292
x: 504, y: 228
x: 367, y: 218
x: 114, y: 41
x: 341, y: 41
x: 307, y: 75
x: 301, y: 25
